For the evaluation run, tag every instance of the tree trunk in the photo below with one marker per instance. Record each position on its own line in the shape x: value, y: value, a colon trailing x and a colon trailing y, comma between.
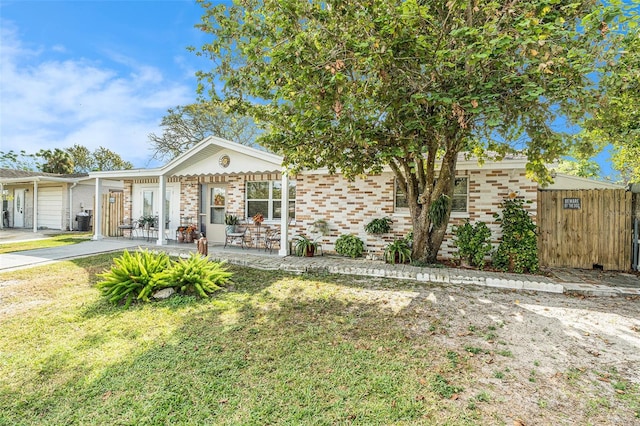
x: 428, y: 236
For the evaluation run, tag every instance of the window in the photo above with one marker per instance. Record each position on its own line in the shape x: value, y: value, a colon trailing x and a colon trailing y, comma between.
x: 266, y: 198
x: 147, y: 203
x: 218, y: 203
x: 458, y: 201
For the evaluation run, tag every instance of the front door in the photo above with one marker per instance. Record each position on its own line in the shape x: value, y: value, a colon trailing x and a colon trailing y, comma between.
x: 18, y: 208
x: 217, y: 202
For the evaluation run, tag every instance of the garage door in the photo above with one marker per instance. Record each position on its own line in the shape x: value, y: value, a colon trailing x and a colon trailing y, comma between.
x: 50, y: 207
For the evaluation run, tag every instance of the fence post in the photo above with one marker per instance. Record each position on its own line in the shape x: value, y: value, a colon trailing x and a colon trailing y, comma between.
x: 635, y: 244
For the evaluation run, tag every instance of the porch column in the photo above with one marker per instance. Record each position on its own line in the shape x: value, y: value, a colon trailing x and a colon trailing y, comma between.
x: 284, y: 219
x: 162, y: 189
x: 97, y: 211
x: 35, y: 206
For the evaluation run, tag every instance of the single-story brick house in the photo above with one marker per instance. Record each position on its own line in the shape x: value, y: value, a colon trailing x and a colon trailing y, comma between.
x: 38, y: 200
x: 218, y: 177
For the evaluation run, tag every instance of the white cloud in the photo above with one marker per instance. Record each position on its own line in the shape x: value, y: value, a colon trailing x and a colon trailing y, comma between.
x: 47, y: 103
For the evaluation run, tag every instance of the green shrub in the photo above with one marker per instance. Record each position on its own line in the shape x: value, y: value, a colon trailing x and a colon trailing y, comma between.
x: 193, y: 275
x: 349, y: 245
x: 381, y: 225
x: 473, y: 242
x: 398, y: 252
x: 130, y: 278
x: 518, y: 250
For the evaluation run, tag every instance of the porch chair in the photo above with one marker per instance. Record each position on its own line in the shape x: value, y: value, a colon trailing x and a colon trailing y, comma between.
x: 127, y: 225
x: 271, y: 239
x: 239, y: 235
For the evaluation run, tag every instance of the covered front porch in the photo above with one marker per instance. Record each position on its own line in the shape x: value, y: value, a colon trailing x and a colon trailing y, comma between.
x: 203, y: 187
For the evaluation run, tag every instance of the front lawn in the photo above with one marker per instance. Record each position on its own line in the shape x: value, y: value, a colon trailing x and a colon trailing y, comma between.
x: 273, y: 348
x: 53, y: 241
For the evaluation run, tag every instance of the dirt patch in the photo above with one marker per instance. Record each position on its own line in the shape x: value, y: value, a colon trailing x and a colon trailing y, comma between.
x: 543, y: 358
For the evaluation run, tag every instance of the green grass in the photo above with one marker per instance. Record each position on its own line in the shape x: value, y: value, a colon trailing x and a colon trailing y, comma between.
x: 53, y: 241
x: 273, y: 348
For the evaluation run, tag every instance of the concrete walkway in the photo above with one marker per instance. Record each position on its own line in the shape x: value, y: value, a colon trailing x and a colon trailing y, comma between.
x: 591, y: 283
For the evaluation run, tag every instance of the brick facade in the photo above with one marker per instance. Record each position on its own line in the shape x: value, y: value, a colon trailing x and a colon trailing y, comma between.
x: 349, y: 206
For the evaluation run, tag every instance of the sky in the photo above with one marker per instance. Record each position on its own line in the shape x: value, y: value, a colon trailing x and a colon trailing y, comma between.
x: 99, y: 73
x: 95, y: 73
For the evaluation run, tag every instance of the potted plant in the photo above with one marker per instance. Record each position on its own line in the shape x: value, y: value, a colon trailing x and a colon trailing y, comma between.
x: 381, y: 225
x: 397, y: 252
x: 231, y: 221
x: 304, y: 246
x: 180, y: 234
x: 258, y: 218
x: 190, y: 233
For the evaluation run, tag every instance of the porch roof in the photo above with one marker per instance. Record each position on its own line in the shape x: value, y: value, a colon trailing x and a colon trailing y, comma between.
x: 14, y: 176
x: 206, y: 157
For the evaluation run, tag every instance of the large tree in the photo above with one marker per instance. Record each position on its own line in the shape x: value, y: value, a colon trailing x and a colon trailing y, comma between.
x: 184, y: 126
x: 616, y: 120
x: 100, y: 159
x: 358, y: 85
x: 55, y: 161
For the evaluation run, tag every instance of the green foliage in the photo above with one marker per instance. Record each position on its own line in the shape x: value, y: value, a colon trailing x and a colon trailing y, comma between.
x: 518, y: 250
x: 304, y: 246
x: 397, y: 251
x: 76, y: 159
x: 130, y: 278
x: 409, y: 84
x: 442, y: 387
x: 230, y: 219
x: 18, y: 161
x: 439, y: 210
x: 349, y: 245
x: 615, y: 120
x: 135, y: 276
x: 473, y: 242
x: 380, y: 225
x: 101, y: 159
x: 55, y: 161
x: 195, y: 275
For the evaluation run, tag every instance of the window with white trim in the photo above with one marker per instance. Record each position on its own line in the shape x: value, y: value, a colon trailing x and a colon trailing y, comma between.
x: 459, y: 200
x: 266, y: 197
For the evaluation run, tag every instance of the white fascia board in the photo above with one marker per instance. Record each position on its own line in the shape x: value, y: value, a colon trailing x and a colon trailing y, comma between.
x: 177, y: 162
x: 32, y: 179
x: 126, y: 174
x: 509, y: 164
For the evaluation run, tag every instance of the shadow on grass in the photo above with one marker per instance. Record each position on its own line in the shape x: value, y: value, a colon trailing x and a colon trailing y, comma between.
x: 278, y: 348
x: 265, y: 352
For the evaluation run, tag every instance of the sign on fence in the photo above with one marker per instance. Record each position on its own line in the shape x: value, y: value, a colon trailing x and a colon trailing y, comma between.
x: 571, y: 203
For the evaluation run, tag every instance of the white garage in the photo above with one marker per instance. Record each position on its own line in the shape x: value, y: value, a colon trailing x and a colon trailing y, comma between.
x: 51, y: 212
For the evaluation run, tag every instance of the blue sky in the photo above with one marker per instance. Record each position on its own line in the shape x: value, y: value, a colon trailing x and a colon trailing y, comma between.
x: 98, y: 73
x: 94, y: 73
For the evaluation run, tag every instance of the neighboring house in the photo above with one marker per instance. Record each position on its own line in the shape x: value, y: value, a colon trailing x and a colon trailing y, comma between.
x: 38, y: 200
x: 218, y: 177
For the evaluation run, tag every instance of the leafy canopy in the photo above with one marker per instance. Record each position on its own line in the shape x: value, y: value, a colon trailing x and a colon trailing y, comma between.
x: 356, y: 86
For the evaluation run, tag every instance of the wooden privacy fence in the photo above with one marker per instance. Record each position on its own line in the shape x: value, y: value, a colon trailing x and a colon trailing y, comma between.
x: 585, y: 228
x: 112, y: 213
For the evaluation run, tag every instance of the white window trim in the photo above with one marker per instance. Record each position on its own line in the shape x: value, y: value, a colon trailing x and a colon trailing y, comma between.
x: 270, y: 201
x: 404, y: 211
